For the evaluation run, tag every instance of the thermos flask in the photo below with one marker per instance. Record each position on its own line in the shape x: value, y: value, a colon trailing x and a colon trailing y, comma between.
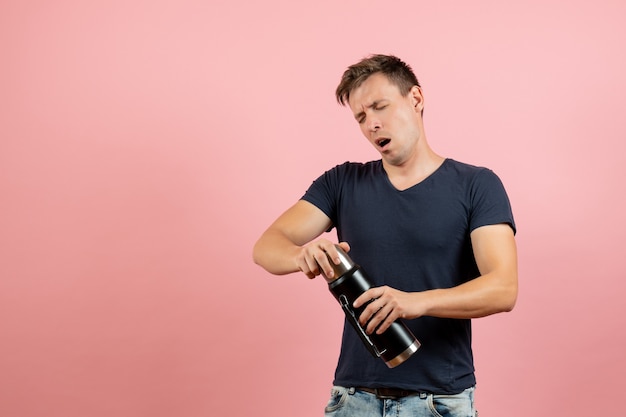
x: 397, y: 343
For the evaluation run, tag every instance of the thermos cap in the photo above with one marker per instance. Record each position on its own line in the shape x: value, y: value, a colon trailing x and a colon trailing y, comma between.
x: 345, y: 265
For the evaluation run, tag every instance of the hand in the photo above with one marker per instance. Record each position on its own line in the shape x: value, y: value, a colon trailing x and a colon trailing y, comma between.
x: 387, y: 304
x: 313, y: 256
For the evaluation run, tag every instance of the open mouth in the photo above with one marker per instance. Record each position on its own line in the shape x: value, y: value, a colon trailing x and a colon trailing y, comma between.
x: 382, y: 142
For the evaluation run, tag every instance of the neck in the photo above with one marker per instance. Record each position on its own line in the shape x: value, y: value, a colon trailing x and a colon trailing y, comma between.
x: 415, y: 170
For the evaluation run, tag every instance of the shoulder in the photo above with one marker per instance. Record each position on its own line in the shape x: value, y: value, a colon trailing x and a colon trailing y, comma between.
x: 484, y: 194
x: 475, y: 183
x: 357, y: 167
x: 464, y: 169
x: 329, y: 188
x: 337, y: 177
x: 352, y: 170
x: 468, y: 174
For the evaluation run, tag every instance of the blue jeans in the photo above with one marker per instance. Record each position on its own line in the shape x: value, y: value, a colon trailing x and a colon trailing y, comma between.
x: 350, y: 402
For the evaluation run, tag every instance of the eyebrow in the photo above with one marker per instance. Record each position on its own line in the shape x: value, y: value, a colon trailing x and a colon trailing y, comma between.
x: 362, y: 113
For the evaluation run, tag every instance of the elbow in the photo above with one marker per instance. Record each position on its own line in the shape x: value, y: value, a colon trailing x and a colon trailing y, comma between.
x: 264, y: 258
x: 507, y: 308
x: 257, y: 255
x: 508, y: 292
x: 502, y: 300
x: 509, y: 300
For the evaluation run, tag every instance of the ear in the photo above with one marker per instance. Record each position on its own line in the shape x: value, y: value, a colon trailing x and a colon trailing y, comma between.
x: 417, y: 98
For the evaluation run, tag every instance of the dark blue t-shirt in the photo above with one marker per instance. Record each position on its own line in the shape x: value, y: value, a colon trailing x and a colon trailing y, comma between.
x: 412, y: 240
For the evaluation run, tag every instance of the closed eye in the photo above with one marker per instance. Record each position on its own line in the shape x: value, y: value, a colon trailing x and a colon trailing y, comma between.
x: 376, y: 106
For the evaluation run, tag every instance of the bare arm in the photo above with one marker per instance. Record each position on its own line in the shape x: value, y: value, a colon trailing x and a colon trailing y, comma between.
x: 288, y: 244
x: 494, y: 291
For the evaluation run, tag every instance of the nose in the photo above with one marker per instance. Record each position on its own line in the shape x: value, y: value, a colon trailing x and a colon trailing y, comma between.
x: 374, y: 125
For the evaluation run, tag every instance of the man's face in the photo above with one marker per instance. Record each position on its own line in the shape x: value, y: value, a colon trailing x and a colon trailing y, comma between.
x: 390, y: 121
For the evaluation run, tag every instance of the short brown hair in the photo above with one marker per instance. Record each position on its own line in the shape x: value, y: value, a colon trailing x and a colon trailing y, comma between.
x: 396, y: 70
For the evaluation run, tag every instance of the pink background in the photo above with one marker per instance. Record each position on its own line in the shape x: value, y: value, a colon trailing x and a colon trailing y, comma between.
x: 145, y: 145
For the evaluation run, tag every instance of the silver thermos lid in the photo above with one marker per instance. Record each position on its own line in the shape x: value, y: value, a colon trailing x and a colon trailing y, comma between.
x: 345, y: 265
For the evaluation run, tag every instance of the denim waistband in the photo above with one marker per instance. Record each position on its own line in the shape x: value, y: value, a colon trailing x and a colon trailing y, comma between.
x: 391, y: 393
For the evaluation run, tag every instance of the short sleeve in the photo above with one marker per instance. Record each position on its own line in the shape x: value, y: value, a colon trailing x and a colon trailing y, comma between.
x: 489, y: 201
x: 324, y: 191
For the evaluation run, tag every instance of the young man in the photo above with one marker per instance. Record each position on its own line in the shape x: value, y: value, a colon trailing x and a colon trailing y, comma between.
x: 435, y: 235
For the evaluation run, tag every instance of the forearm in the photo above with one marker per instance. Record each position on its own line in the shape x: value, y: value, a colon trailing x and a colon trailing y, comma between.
x: 488, y: 294
x: 480, y: 297
x: 276, y: 253
x: 282, y: 248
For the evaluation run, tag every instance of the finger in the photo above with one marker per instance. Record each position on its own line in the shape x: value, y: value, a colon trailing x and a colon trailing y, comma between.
x: 378, y: 313
x: 312, y: 267
x: 308, y: 264
x: 382, y: 327
x: 321, y: 259
x: 366, y: 297
x: 333, y: 254
x: 377, y: 319
x: 386, y: 316
x: 369, y: 313
x: 306, y: 271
